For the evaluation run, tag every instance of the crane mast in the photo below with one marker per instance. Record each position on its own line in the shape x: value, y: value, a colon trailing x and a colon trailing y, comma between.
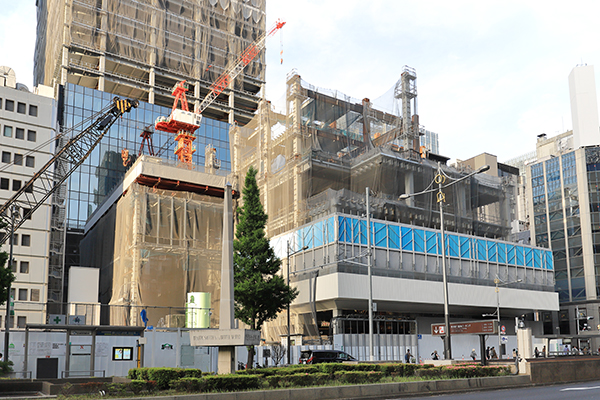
x: 50, y: 177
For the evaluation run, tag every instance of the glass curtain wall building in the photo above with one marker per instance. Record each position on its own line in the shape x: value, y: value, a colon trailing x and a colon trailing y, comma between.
x: 89, y: 185
x: 565, y: 205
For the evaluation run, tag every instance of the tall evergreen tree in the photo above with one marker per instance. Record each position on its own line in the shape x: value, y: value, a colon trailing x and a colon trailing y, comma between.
x: 260, y: 294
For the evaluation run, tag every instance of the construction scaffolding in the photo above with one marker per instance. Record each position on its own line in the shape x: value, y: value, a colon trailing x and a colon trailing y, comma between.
x: 167, y: 243
x: 318, y: 158
x: 141, y: 48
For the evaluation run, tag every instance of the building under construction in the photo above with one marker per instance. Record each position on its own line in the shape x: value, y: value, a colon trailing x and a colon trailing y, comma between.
x: 315, y: 162
x: 141, y: 49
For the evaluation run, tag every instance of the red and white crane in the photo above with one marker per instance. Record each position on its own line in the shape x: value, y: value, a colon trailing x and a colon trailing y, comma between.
x: 182, y: 122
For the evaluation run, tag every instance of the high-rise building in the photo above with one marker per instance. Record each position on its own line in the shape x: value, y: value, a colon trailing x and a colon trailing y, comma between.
x: 91, y: 51
x: 563, y: 206
x: 28, y: 125
x: 430, y: 140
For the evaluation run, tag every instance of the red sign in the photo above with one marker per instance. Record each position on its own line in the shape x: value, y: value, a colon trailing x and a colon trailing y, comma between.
x: 471, y: 328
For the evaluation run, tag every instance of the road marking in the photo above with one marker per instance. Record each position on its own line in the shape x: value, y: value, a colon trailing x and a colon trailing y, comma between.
x: 581, y: 388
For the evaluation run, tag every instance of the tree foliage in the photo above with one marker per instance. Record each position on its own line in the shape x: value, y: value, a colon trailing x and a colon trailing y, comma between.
x: 6, y: 275
x: 260, y: 294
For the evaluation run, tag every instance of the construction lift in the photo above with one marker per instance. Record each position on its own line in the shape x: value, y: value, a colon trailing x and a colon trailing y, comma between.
x: 182, y: 122
x: 56, y: 171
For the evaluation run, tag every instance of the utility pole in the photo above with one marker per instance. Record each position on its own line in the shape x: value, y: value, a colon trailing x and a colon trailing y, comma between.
x: 13, y: 210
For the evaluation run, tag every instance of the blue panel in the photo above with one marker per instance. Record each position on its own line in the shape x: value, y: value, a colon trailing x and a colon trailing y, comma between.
x: 481, y: 249
x: 502, y: 253
x: 528, y: 257
x: 307, y: 237
x: 519, y: 256
x: 419, y: 240
x: 318, y: 233
x: 329, y: 230
x: 394, y: 237
x: 380, y: 234
x: 537, y: 258
x: 465, y: 247
x: 431, y: 242
x: 439, y: 243
x: 452, y: 249
x: 549, y: 260
x: 344, y: 230
x: 355, y: 231
x: 407, y: 238
x: 510, y: 254
x: 492, y: 251
x: 363, y: 232
x: 298, y: 240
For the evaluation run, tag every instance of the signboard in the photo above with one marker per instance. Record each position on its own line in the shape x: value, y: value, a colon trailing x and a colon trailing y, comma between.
x: 471, y: 328
x: 76, y: 319
x: 504, y: 339
x: 503, y: 329
x: 224, y: 337
x: 57, y: 319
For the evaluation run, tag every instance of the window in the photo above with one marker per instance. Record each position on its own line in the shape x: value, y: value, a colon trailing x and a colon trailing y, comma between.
x: 25, y: 240
x: 13, y: 266
x: 7, y: 131
x: 21, y: 108
x: 18, y: 159
x: 29, y: 189
x: 12, y: 293
x: 16, y: 239
x: 25, y: 211
x: 5, y: 157
x: 35, y: 295
x: 24, y: 268
x: 22, y: 294
x: 20, y: 133
x: 9, y: 105
x: 30, y: 161
x: 21, y: 322
x: 31, y: 136
x: 16, y: 185
x: 4, y: 183
x: 33, y: 111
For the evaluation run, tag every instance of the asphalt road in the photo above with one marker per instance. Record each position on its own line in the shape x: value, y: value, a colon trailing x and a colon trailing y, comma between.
x: 575, y: 391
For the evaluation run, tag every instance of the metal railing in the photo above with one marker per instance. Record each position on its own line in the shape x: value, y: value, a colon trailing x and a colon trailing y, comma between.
x: 79, y: 374
x: 20, y: 375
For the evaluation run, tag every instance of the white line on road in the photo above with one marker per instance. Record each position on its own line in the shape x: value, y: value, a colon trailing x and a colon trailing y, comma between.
x: 581, y: 388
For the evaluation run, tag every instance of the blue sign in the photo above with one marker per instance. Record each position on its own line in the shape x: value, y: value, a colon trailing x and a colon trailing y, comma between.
x: 419, y: 336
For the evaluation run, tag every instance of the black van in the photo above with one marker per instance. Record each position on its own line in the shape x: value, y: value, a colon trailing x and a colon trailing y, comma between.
x: 324, y: 356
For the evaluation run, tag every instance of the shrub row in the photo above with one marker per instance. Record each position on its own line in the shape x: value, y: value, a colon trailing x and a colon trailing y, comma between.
x: 217, y: 383
x: 162, y: 376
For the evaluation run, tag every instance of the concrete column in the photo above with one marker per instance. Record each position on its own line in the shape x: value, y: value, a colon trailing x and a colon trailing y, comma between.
x: 101, y: 68
x: 231, y: 107
x: 409, y: 187
x: 151, y: 80
x: 227, y: 353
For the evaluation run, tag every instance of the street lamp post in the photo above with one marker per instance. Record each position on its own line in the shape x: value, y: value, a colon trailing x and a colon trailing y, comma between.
x: 498, y: 282
x: 13, y: 210
x: 440, y: 179
x: 289, y: 347
x: 369, y: 263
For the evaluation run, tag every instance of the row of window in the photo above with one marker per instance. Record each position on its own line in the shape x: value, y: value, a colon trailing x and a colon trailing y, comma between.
x: 25, y: 241
x: 25, y: 294
x: 9, y: 105
x: 17, y: 159
x: 16, y: 185
x: 21, y: 322
x: 23, y: 267
x: 19, y: 133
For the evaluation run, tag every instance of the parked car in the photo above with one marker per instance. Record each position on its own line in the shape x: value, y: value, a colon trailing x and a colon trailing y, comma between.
x: 324, y: 356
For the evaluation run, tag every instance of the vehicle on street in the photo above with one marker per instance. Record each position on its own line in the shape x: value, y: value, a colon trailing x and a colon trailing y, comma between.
x: 324, y: 356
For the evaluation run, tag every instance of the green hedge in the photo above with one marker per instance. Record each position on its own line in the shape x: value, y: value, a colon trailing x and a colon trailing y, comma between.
x: 231, y: 383
x: 162, y: 376
x: 357, y: 377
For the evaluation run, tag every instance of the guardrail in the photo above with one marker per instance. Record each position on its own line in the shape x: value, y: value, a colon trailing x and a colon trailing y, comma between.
x: 20, y: 374
x: 80, y: 374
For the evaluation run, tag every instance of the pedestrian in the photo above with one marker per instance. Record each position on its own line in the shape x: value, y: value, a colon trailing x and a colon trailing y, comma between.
x: 487, y: 353
x: 566, y: 350
x: 473, y: 354
x: 407, y: 356
x: 1, y: 357
x: 536, y: 352
x: 514, y: 353
x: 544, y: 351
x: 493, y: 353
x: 435, y: 355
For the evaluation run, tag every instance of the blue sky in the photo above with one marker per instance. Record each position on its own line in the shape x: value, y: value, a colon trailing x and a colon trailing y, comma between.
x: 491, y: 75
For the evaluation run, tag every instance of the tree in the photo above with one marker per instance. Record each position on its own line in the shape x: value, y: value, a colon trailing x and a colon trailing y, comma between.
x: 260, y: 294
x: 6, y: 275
x: 277, y: 353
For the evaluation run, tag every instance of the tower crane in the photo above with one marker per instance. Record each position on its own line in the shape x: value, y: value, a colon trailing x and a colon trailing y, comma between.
x: 53, y: 174
x: 182, y: 122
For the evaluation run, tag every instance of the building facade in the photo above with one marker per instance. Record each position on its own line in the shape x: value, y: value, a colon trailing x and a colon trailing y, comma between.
x: 90, y: 52
x: 28, y: 126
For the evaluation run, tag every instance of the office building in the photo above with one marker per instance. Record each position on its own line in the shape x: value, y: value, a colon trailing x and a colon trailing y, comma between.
x: 28, y: 126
